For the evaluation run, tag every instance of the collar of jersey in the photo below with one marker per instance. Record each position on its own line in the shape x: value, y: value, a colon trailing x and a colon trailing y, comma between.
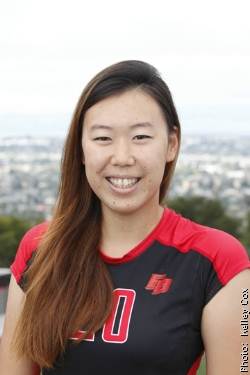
x: 143, y: 245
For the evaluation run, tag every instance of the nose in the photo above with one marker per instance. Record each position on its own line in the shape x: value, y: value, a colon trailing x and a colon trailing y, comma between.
x: 122, y: 154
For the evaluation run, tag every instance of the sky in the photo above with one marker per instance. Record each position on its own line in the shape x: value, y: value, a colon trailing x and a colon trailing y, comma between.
x: 49, y: 50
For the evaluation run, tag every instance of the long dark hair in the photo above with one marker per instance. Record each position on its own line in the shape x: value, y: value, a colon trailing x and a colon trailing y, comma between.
x: 68, y: 286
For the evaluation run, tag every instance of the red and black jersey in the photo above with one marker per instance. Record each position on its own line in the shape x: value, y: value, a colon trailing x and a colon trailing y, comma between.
x: 160, y: 287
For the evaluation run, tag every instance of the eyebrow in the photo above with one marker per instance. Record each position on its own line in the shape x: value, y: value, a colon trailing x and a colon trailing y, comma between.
x: 134, y: 126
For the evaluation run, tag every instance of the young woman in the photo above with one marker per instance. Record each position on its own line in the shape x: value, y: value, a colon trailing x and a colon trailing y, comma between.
x: 117, y: 282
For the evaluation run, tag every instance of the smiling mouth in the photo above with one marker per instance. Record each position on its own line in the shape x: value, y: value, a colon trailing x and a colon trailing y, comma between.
x: 123, y: 183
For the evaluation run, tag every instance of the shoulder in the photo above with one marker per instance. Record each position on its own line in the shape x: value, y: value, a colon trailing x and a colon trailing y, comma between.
x: 26, y: 248
x: 224, y: 252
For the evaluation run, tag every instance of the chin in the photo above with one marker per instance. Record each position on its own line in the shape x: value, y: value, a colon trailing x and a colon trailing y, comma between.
x: 126, y: 208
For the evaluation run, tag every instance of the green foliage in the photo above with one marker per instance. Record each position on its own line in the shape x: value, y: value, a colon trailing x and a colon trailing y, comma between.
x: 199, y: 209
x: 212, y: 213
x: 202, y: 368
x: 246, y: 234
x: 12, y: 230
x: 207, y: 212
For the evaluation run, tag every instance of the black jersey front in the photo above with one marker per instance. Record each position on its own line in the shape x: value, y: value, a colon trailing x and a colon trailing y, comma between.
x: 160, y: 289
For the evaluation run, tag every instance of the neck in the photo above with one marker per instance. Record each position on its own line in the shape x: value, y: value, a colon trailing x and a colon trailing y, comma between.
x: 122, y: 231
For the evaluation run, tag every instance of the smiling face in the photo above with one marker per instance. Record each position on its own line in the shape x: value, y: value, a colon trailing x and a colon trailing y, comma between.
x: 136, y: 143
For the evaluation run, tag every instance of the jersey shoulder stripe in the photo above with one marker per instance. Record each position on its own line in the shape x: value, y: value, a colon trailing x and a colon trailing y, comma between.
x: 222, y: 249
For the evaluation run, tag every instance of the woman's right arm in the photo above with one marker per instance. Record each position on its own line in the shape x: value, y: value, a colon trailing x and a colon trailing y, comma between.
x: 9, y: 365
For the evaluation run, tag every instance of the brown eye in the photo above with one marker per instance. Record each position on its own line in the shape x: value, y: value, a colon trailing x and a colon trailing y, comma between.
x: 102, y: 138
x: 147, y: 136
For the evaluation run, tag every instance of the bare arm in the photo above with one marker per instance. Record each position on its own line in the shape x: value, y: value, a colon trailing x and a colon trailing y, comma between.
x: 9, y: 365
x: 221, y: 327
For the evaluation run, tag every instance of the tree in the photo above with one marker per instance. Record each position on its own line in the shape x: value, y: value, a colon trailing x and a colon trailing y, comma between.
x: 246, y: 234
x: 12, y: 230
x: 206, y: 212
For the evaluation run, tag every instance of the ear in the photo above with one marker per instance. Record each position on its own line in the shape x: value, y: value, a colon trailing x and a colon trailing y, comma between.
x: 173, y: 144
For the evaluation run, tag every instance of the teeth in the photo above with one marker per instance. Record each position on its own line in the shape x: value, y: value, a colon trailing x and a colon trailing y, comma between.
x: 123, y: 182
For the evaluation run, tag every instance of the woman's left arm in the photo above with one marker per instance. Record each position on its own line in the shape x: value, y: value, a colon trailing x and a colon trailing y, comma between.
x: 224, y: 328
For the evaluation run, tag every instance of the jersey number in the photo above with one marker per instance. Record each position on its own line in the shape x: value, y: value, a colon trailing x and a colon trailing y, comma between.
x: 119, y: 317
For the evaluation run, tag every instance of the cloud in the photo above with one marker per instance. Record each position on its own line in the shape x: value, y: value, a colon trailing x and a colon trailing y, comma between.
x: 50, y: 49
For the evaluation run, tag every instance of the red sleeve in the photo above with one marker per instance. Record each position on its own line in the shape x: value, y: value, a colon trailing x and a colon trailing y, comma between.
x: 228, y: 258
x: 26, y: 247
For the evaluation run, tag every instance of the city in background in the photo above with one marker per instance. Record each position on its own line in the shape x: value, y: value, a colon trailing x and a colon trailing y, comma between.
x: 212, y: 166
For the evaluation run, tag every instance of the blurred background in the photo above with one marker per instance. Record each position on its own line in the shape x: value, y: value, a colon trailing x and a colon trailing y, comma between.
x: 51, y: 49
